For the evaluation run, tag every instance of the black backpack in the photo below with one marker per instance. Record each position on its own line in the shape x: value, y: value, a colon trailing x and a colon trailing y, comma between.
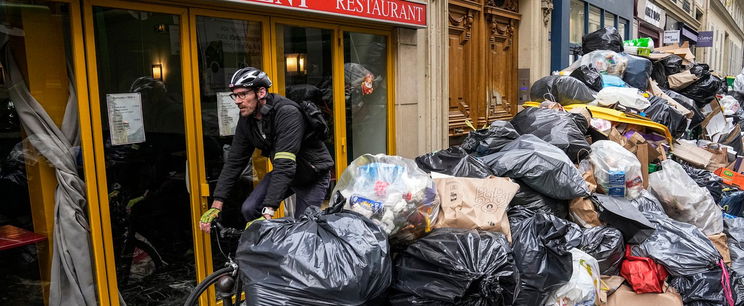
x: 317, y: 127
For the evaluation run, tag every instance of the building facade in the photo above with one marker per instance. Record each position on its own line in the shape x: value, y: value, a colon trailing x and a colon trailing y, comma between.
x: 572, y: 19
x: 725, y: 19
x: 115, y: 121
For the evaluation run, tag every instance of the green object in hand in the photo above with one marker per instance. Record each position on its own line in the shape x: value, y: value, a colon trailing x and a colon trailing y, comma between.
x: 210, y: 215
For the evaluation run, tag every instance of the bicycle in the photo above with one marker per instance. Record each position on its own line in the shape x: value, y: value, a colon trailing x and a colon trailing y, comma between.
x: 226, y: 281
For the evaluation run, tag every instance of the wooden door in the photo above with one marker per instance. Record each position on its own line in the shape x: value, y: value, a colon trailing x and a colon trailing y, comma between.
x: 482, y: 63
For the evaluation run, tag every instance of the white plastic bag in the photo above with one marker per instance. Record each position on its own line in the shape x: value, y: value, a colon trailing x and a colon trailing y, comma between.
x: 609, y: 156
x: 739, y: 82
x: 392, y: 191
x: 730, y: 105
x: 683, y: 200
x: 628, y: 97
x: 605, y: 61
x: 584, y: 286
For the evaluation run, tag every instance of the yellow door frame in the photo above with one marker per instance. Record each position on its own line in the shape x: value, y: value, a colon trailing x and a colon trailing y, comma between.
x: 199, y: 236
x: 390, y: 79
x: 80, y: 84
x: 91, y: 124
x: 189, y: 129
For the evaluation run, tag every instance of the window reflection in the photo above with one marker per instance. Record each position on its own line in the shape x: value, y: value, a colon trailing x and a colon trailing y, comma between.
x: 365, y: 88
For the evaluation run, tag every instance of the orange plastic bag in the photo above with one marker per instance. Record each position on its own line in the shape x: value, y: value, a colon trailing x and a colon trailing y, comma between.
x: 730, y: 177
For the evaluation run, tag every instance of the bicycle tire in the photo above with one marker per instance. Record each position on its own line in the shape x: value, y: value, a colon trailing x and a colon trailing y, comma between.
x: 193, y: 299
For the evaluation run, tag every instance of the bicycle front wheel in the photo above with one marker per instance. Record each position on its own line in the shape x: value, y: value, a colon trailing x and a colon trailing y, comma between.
x: 201, y: 288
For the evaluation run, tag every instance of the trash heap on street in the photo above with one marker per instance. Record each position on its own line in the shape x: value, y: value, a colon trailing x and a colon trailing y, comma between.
x: 620, y: 184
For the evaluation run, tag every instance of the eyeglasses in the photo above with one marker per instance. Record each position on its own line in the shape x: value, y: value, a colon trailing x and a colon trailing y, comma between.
x: 241, y: 95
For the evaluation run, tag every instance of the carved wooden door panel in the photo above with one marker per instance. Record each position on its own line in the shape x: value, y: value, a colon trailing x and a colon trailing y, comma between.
x: 461, y: 73
x: 482, y: 63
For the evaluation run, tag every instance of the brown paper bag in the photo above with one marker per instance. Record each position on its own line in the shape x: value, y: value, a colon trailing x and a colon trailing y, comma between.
x: 625, y: 296
x: 719, y: 159
x: 582, y: 210
x: 720, y: 241
x: 681, y: 80
x: 475, y: 203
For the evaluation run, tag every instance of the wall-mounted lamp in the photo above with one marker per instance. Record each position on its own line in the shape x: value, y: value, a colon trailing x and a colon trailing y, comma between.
x: 157, y: 72
x: 295, y: 62
x: 161, y: 28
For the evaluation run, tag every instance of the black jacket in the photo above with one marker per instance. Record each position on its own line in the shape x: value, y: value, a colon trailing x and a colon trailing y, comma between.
x: 299, y: 162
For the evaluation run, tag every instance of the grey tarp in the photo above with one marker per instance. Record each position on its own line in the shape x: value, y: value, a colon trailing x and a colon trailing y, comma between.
x: 72, y: 272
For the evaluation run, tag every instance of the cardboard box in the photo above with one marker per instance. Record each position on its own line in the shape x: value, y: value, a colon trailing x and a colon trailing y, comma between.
x: 692, y: 154
x: 625, y: 296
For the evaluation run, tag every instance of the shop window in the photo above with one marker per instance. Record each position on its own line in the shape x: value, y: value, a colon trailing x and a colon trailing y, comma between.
x: 576, y: 23
x: 365, y: 81
x: 223, y: 47
x: 594, y: 18
x: 609, y: 19
x: 35, y: 72
x: 306, y: 69
x: 142, y: 112
x: 622, y: 27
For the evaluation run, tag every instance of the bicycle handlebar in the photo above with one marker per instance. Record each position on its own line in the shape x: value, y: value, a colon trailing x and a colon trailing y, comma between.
x: 226, y: 231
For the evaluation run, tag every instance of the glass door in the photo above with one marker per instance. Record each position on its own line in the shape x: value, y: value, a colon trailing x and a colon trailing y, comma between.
x: 304, y: 64
x: 224, y: 43
x: 140, y: 100
x: 366, y: 78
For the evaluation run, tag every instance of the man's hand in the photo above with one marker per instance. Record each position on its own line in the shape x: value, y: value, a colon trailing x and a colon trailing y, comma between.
x: 206, y: 219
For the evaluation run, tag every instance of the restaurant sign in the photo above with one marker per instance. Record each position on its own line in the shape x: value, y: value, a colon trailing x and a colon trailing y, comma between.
x: 401, y: 12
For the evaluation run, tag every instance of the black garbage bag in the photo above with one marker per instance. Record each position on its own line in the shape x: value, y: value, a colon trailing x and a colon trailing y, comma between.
x: 542, y: 88
x: 707, y: 179
x: 734, y: 229
x: 537, y: 202
x: 697, y: 116
x: 486, y: 141
x: 541, y: 246
x: 700, y: 70
x: 517, y: 214
x: 540, y: 165
x: 320, y: 259
x: 605, y: 244
x: 665, y: 67
x: 703, y: 90
x: 680, y: 247
x: 589, y: 76
x: 568, y: 90
x: 732, y: 202
x: 700, y: 289
x: 737, y: 288
x: 555, y: 127
x: 607, y: 38
x: 562, y: 89
x: 663, y: 113
x: 638, y: 71
x: 456, y: 267
x: 623, y: 215
x: 453, y: 161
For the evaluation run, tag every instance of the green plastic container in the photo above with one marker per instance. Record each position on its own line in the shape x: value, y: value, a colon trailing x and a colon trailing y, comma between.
x: 730, y: 81
x: 644, y: 42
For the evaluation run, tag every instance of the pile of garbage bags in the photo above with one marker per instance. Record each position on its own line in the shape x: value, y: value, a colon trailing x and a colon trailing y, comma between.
x: 620, y: 184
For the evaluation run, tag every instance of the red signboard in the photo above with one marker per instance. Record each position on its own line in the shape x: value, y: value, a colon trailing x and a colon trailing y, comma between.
x: 403, y: 12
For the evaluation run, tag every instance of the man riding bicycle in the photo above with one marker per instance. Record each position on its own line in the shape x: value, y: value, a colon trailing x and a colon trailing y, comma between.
x: 276, y: 126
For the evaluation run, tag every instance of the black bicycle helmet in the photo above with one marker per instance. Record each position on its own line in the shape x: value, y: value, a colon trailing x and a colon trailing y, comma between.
x: 249, y: 77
